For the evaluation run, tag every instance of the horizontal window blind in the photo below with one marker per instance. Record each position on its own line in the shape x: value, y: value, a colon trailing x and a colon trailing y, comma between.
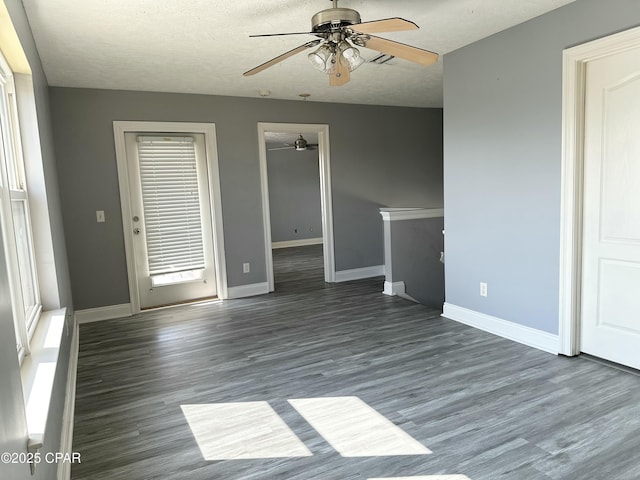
x: 171, y: 204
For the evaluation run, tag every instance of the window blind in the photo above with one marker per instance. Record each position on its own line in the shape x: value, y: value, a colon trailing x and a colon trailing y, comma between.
x: 171, y: 204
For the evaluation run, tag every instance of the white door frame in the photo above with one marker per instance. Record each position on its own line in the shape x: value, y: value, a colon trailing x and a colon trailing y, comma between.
x: 573, y: 93
x: 325, y: 193
x: 209, y: 132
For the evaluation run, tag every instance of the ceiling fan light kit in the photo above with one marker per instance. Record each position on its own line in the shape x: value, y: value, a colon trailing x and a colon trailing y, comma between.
x: 322, y: 58
x: 326, y: 56
x: 300, y: 143
x: 350, y: 54
x: 340, y: 31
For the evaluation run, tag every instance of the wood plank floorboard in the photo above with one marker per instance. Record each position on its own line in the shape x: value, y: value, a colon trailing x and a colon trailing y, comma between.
x: 486, y: 407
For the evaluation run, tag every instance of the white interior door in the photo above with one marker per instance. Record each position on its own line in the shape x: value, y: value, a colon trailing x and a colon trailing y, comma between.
x: 610, y: 303
x: 172, y: 234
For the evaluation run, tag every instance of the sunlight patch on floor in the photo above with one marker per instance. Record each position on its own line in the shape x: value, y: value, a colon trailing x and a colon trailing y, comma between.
x: 355, y: 429
x: 426, y: 477
x: 248, y: 430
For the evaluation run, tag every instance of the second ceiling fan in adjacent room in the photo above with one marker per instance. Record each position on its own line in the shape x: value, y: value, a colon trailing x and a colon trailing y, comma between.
x: 300, y: 144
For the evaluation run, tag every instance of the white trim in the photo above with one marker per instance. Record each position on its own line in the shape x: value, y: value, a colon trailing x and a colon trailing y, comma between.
x: 250, y: 290
x: 393, y: 214
x: 66, y: 437
x: 37, y: 192
x: 503, y: 328
x: 394, y: 288
x: 215, y: 195
x: 38, y: 389
x: 303, y: 242
x: 573, y: 91
x: 209, y: 132
x: 103, y: 313
x: 359, y: 273
x: 325, y: 193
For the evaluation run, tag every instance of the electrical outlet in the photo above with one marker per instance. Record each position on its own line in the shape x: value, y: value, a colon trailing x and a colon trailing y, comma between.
x: 246, y: 267
x: 483, y: 289
x: 100, y: 216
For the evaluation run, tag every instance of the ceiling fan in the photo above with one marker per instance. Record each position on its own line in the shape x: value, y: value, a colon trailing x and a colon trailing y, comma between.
x: 299, y: 145
x: 340, y: 31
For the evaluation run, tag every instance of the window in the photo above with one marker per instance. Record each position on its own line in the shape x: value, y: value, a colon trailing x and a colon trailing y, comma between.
x: 171, y: 204
x: 15, y: 218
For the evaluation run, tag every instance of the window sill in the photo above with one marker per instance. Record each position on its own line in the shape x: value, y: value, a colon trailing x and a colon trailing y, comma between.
x: 38, y: 373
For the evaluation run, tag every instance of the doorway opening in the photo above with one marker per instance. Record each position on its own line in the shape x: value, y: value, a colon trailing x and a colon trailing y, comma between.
x: 296, y: 199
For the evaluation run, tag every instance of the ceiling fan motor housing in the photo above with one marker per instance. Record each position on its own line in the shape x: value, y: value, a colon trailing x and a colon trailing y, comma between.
x: 333, y: 19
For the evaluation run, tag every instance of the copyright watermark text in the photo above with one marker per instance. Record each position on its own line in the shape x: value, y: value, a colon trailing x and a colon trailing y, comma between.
x: 37, y: 457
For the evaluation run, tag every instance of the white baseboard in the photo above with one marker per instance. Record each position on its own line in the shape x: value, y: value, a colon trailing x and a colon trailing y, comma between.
x: 503, y: 328
x: 393, y: 288
x: 248, y: 290
x: 66, y: 438
x: 103, y: 313
x: 297, y: 243
x: 359, y: 273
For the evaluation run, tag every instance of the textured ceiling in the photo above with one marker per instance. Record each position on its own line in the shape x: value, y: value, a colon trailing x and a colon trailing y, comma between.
x: 203, y: 46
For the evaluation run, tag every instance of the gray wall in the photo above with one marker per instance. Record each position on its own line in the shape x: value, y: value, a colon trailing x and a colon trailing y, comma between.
x: 415, y: 258
x: 395, y: 160
x: 13, y: 434
x: 502, y: 156
x: 294, y: 194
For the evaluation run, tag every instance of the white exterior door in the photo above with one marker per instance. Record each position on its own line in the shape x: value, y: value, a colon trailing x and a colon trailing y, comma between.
x: 610, y: 293
x: 172, y: 231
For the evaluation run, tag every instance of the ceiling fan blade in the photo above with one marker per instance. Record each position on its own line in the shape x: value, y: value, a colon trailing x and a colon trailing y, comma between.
x: 397, y: 49
x: 395, y: 24
x: 339, y: 73
x: 280, y: 148
x: 280, y: 34
x: 282, y: 57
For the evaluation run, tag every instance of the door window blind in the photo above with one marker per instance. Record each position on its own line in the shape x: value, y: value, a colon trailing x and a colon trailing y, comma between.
x: 171, y: 204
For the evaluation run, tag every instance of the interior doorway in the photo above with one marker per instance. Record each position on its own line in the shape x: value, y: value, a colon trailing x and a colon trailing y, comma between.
x: 278, y: 141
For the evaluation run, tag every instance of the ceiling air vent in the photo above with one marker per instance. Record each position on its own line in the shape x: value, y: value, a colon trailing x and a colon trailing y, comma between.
x: 382, y: 58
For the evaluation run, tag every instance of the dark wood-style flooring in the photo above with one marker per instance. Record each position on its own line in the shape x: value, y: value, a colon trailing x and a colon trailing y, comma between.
x: 488, y: 408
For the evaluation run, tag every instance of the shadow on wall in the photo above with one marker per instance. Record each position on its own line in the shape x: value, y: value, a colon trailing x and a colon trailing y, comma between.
x: 363, y: 215
x: 415, y: 250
